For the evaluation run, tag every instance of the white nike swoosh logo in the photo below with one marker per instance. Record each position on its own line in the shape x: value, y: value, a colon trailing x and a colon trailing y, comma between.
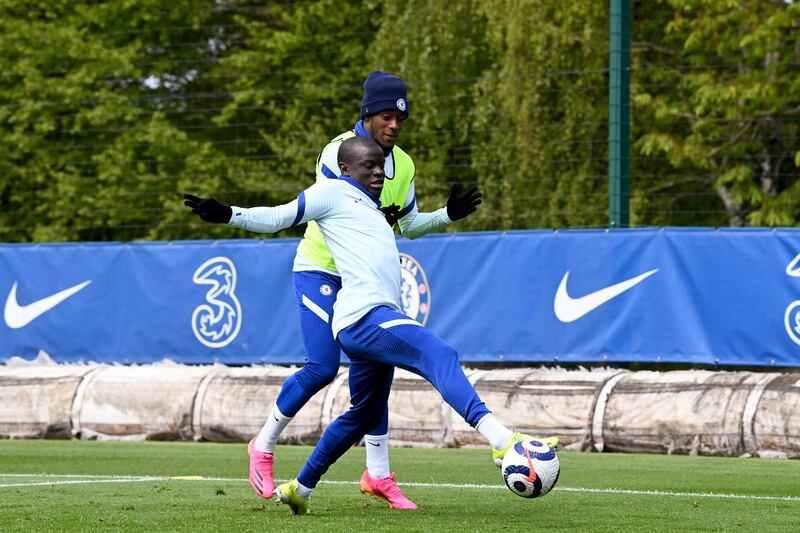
x: 569, y: 309
x: 18, y: 316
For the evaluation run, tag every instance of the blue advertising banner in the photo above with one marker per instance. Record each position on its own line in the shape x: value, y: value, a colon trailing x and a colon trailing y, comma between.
x: 683, y: 295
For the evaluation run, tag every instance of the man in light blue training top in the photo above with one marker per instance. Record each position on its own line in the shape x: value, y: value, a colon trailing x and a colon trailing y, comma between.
x: 317, y: 281
x: 367, y: 322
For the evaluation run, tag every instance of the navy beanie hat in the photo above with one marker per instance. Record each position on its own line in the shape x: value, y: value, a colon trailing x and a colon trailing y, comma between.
x: 382, y: 92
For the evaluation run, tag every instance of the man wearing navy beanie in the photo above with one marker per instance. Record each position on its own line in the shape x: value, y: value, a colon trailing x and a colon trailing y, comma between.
x: 384, y: 109
x: 384, y: 92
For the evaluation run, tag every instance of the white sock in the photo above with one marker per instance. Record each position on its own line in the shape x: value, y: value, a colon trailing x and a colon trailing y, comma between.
x: 493, y: 431
x: 303, y: 491
x: 377, y: 455
x: 268, y: 436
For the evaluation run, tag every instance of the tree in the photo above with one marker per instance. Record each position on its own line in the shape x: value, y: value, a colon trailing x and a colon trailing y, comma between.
x: 110, y: 110
x: 717, y: 101
x: 542, y: 161
x: 294, y: 83
x: 91, y: 97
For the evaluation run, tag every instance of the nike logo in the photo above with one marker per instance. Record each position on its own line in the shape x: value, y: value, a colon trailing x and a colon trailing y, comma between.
x: 18, y: 316
x: 569, y: 309
x: 532, y: 476
x: 375, y: 443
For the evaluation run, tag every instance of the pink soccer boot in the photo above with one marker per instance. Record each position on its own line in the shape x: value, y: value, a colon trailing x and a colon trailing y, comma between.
x: 260, y: 471
x: 386, y: 489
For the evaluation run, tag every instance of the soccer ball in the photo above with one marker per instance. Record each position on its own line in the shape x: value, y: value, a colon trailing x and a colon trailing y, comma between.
x: 530, y: 469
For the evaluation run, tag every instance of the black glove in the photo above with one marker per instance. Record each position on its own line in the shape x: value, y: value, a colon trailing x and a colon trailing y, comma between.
x: 392, y: 213
x: 459, y: 206
x: 209, y: 209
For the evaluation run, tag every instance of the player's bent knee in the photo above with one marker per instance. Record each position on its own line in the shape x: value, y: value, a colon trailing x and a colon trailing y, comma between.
x: 447, y: 352
x: 315, y: 377
x: 327, y: 372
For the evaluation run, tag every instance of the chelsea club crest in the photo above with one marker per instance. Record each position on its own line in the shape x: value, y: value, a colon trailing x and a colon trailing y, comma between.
x: 415, y: 294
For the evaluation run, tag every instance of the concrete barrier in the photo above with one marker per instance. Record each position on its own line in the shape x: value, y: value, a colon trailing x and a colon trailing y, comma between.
x: 691, y: 412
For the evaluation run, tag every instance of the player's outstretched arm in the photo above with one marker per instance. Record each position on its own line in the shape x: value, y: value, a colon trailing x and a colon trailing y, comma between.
x: 311, y: 204
x: 460, y: 204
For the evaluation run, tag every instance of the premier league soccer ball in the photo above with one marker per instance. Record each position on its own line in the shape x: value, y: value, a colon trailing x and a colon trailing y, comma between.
x: 530, y: 469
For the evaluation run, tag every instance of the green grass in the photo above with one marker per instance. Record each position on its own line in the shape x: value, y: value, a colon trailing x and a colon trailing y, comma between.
x: 229, y: 505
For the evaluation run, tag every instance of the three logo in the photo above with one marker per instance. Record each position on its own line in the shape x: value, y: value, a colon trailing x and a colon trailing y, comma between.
x: 217, y: 321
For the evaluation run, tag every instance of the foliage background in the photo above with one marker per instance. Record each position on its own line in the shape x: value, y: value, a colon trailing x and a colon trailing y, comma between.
x: 109, y: 111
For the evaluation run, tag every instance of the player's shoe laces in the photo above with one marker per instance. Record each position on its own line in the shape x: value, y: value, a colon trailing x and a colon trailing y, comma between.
x: 497, y: 455
x: 260, y: 471
x: 386, y: 489
x: 287, y: 493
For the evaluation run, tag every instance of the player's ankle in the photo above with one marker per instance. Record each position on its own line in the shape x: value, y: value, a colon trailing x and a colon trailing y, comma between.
x: 303, y: 491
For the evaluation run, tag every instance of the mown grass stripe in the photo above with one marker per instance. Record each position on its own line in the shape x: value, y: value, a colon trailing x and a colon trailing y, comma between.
x: 95, y: 478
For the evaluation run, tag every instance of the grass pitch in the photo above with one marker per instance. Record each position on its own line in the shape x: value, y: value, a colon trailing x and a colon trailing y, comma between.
x: 166, y: 486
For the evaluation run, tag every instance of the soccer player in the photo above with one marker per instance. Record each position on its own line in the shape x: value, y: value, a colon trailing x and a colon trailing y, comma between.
x: 317, y: 281
x: 367, y: 322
